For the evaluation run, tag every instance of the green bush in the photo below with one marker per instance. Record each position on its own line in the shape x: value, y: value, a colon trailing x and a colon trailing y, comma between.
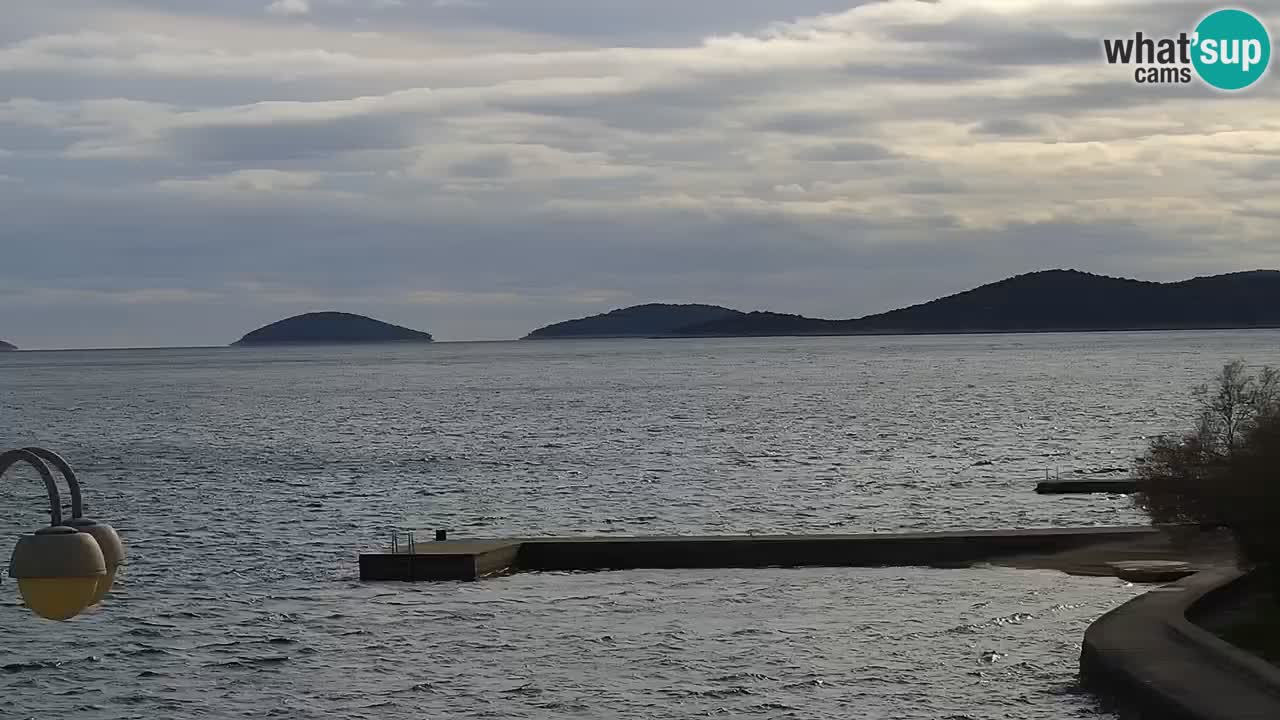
x: 1226, y: 471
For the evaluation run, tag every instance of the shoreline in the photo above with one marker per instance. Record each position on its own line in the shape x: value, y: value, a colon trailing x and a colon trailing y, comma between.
x: 1151, y: 657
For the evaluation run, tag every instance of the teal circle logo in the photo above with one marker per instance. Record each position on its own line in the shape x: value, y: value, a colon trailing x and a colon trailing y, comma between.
x: 1232, y: 49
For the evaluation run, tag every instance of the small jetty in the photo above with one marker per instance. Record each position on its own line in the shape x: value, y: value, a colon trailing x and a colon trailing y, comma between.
x: 1080, y: 486
x: 474, y: 559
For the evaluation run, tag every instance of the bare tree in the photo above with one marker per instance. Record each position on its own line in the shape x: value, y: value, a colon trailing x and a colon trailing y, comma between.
x: 1226, y: 471
x: 1234, y: 404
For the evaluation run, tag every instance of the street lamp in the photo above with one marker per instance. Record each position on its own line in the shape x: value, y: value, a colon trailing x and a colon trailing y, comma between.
x: 62, y: 569
x: 107, y: 537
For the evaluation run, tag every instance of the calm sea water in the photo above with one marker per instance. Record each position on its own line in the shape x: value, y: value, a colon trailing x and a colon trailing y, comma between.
x: 245, y: 481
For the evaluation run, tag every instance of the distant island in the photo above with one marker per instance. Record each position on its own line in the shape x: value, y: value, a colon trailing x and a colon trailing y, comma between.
x: 1043, y: 301
x: 636, y: 321
x: 6, y: 347
x: 330, y: 328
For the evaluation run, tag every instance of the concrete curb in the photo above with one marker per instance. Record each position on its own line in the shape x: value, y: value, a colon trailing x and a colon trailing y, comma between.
x: 1154, y: 663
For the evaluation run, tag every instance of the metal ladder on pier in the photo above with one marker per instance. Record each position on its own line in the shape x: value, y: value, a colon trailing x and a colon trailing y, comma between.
x: 402, y: 541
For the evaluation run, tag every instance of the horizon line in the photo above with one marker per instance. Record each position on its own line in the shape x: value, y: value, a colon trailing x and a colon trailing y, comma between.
x: 539, y: 341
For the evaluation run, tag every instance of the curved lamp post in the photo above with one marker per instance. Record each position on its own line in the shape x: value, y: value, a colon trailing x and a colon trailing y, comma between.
x: 107, y: 537
x: 60, y: 569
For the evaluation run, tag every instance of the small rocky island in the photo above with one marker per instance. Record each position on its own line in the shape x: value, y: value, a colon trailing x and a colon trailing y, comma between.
x: 636, y: 321
x: 331, y: 328
x: 6, y: 347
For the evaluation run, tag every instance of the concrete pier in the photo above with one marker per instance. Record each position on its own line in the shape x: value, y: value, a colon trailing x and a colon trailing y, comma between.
x: 476, y: 559
x: 444, y: 560
x: 1082, y: 485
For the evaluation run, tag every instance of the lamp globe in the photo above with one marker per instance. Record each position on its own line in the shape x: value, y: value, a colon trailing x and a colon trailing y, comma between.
x: 58, y: 570
x: 112, y: 551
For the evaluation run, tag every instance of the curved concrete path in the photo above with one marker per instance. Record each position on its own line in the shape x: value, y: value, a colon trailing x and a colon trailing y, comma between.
x: 1158, y: 665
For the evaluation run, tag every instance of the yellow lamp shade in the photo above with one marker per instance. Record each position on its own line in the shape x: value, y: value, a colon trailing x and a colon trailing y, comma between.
x: 104, y: 586
x: 58, y: 571
x: 58, y: 598
x: 112, y: 550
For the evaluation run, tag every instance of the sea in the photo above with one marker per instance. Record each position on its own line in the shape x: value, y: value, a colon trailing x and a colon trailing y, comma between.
x: 245, y: 481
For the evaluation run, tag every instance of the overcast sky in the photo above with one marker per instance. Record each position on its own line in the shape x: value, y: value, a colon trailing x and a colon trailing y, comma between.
x: 178, y: 172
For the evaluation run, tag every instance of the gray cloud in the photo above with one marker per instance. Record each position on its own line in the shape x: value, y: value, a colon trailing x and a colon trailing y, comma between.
x: 684, y: 101
x: 485, y: 166
x: 988, y: 39
x: 283, y: 140
x: 658, y: 22
x: 1006, y: 126
x: 846, y: 152
x: 931, y: 187
x: 1262, y: 169
x: 942, y: 70
x: 817, y: 122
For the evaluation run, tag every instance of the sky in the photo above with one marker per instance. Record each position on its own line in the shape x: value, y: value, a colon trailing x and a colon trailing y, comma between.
x: 179, y: 172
